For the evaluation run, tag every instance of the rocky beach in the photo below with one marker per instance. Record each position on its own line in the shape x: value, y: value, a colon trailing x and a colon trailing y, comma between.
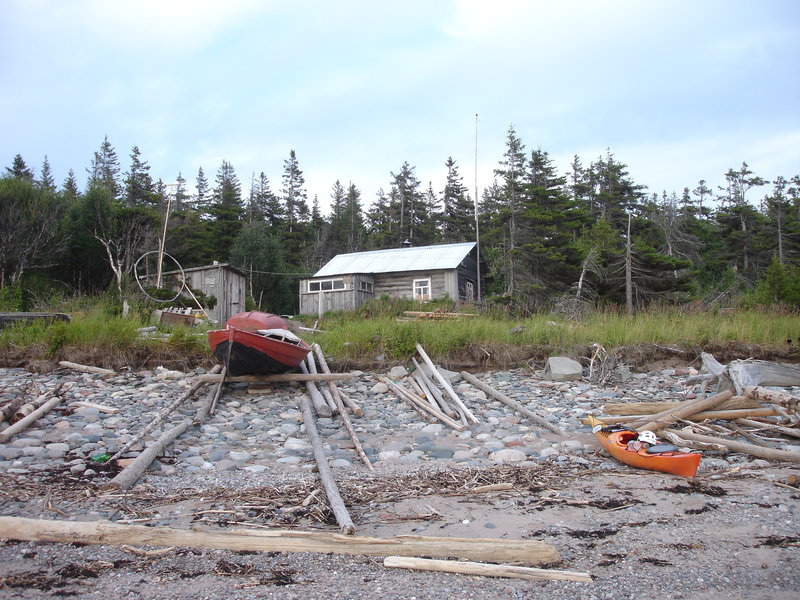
x: 636, y: 532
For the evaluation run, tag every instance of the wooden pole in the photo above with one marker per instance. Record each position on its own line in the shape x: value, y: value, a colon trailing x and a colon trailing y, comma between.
x: 320, y: 406
x: 687, y: 409
x: 521, y: 552
x: 512, y: 403
x: 342, y: 399
x: 217, y: 390
x: 421, y: 404
x: 435, y: 395
x: 770, y: 453
x: 325, y: 474
x: 483, y: 569
x: 326, y: 393
x: 446, y: 385
x: 770, y: 427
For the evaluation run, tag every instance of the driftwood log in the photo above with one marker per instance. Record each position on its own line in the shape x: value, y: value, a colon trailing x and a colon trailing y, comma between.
x: 652, y: 408
x: 761, y: 452
x: 325, y: 474
x: 741, y: 374
x: 741, y: 413
x: 55, y: 398
x: 85, y: 368
x: 512, y: 403
x: 521, y: 552
x: 324, y: 391
x: 483, y: 569
x: 686, y: 409
x: 784, y: 399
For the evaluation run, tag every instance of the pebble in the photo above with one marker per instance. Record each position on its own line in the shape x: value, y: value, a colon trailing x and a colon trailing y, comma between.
x: 255, y: 432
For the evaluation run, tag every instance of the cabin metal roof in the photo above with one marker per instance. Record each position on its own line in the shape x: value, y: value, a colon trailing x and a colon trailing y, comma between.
x: 422, y: 258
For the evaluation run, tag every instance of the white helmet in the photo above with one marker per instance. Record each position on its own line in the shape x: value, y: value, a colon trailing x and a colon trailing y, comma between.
x: 648, y: 437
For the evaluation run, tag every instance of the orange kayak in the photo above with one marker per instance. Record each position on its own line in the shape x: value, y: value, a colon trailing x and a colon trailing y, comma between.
x: 661, y: 457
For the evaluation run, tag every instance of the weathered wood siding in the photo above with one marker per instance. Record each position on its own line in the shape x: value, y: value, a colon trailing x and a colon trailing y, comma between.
x: 226, y: 284
x: 401, y: 285
x: 349, y: 298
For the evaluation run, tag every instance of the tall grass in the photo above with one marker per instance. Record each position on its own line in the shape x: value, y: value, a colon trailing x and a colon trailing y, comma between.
x: 364, y: 338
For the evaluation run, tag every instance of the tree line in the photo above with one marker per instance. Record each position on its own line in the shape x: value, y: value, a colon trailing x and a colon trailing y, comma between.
x: 583, y: 238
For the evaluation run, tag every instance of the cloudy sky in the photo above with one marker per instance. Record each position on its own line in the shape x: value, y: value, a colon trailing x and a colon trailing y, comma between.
x: 678, y: 90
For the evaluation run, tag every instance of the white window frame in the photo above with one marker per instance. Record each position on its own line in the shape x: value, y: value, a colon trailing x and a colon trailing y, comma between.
x: 469, y: 291
x: 422, y: 284
x: 335, y: 285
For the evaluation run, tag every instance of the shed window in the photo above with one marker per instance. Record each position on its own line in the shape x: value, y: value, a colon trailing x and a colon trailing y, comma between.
x: 326, y: 285
x: 422, y: 289
x: 366, y: 286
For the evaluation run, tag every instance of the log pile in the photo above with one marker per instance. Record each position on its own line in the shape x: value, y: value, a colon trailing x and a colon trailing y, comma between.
x: 743, y: 415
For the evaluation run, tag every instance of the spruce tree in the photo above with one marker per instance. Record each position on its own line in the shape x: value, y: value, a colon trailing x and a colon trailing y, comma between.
x: 104, y: 170
x: 19, y: 169
x: 227, y: 211
x: 45, y: 180
x: 458, y: 210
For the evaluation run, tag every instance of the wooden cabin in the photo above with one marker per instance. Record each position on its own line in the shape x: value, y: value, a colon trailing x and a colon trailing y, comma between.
x: 422, y: 273
x: 228, y: 284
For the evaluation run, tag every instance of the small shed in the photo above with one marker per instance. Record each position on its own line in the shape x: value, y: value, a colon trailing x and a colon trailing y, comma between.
x: 226, y: 283
x: 421, y: 273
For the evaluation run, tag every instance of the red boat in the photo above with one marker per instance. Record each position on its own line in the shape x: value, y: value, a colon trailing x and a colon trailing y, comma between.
x: 256, y: 343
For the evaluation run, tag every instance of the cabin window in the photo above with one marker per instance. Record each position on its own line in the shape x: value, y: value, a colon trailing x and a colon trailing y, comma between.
x: 366, y: 286
x: 326, y: 285
x: 422, y: 289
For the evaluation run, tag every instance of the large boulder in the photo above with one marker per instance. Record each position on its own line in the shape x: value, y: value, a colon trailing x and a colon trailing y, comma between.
x: 561, y: 368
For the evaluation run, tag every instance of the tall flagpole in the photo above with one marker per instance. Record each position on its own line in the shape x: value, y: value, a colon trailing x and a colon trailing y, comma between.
x: 477, y: 231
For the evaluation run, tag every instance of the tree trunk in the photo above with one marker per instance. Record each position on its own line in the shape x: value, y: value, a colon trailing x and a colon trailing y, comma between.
x: 521, y: 552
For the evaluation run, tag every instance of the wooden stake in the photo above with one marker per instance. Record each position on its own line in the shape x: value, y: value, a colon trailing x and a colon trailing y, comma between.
x: 325, y: 474
x: 521, y: 552
x: 512, y: 403
x: 446, y: 385
x: 483, y: 569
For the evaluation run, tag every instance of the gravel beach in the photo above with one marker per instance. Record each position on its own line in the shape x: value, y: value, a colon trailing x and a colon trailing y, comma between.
x: 731, y: 532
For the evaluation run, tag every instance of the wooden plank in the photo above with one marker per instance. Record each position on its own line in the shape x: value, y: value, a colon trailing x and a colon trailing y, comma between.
x: 518, y: 552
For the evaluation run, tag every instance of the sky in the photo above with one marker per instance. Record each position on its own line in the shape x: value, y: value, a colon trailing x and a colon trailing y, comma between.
x: 678, y: 90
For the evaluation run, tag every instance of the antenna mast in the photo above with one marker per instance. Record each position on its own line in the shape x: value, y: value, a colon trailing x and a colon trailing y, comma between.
x: 477, y: 232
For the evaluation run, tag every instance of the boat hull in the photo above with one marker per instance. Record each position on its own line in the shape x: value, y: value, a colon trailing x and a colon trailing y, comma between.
x: 250, y: 352
x: 615, y: 443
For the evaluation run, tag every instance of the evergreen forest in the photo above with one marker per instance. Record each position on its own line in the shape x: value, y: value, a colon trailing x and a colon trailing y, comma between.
x: 570, y: 241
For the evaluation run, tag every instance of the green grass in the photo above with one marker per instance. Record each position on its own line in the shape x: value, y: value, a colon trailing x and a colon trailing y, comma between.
x: 364, y: 338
